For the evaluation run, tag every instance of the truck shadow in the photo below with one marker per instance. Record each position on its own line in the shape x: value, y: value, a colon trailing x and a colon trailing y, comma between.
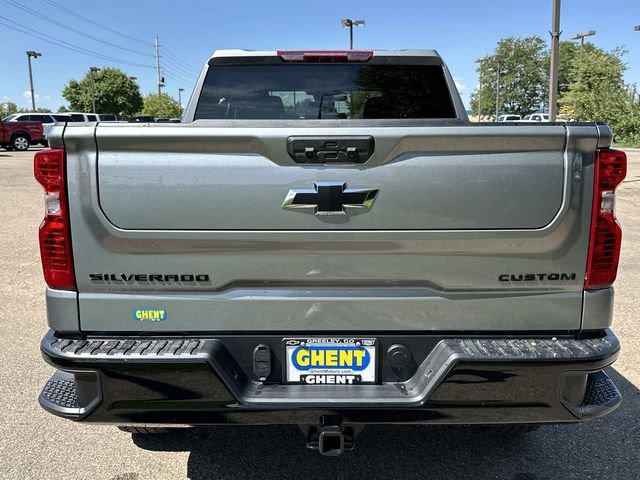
x: 604, y: 448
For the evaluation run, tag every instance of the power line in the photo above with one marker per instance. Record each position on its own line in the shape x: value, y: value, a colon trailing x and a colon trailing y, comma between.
x: 167, y: 47
x: 176, y: 52
x: 98, y: 24
x: 97, y: 7
x: 178, y: 77
x: 179, y: 60
x: 178, y: 68
x: 61, y: 43
x: 67, y: 27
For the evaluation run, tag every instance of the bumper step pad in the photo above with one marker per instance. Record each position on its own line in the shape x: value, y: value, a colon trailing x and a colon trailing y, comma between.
x: 600, y: 390
x: 61, y: 392
x: 71, y: 394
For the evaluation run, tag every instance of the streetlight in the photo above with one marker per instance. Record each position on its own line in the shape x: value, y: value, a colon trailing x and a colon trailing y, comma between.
x: 31, y: 53
x: 581, y: 36
x: 180, y: 90
x: 133, y: 79
x: 554, y: 63
x: 479, y: 61
x: 348, y: 23
x: 92, y: 70
x: 497, y: 87
x: 637, y: 28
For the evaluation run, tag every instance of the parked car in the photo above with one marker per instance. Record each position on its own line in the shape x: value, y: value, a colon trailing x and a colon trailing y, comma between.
x: 107, y: 117
x: 19, y: 135
x: 83, y: 117
x: 48, y: 120
x: 509, y: 118
x: 536, y: 117
x: 265, y: 264
x: 142, y: 119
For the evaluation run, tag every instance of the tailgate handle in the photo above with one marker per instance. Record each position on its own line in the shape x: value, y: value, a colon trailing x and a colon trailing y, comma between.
x: 356, y: 149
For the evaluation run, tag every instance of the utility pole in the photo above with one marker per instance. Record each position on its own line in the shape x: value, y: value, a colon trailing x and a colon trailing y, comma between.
x: 180, y: 90
x: 31, y: 53
x: 582, y: 35
x: 555, y: 53
x: 158, y: 75
x: 498, y: 90
x: 348, y: 23
x: 93, y: 70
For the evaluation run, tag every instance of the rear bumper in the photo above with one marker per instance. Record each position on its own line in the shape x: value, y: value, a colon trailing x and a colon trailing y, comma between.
x: 210, y: 380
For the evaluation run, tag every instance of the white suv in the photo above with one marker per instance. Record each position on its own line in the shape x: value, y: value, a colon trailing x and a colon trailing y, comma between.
x: 536, y: 117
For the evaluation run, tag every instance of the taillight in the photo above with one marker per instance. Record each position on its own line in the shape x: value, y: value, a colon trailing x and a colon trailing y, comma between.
x: 54, y: 233
x: 606, y: 236
x: 325, y: 56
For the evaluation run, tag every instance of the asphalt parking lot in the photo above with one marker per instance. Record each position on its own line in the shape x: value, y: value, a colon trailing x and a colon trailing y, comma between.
x: 34, y: 444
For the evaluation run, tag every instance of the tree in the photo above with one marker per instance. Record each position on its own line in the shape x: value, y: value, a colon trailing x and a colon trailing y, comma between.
x: 11, y: 108
x: 114, y: 93
x: 63, y: 109
x: 596, y: 92
x: 522, y: 77
x: 161, y: 105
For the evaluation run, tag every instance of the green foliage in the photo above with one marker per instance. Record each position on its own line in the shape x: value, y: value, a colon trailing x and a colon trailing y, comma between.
x: 596, y: 92
x: 161, y: 105
x: 13, y: 108
x: 114, y: 92
x: 522, y: 77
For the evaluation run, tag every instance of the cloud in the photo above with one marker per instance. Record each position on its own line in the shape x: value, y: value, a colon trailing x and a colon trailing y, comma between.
x: 462, y: 88
x: 27, y: 94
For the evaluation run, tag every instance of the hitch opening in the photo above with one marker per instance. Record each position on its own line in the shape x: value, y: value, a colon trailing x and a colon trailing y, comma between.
x: 331, y: 440
x: 330, y: 437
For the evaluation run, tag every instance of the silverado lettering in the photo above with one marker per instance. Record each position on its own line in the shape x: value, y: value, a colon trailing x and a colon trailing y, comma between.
x: 149, y: 277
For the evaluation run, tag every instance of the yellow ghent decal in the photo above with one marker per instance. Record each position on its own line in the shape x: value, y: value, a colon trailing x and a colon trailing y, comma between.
x: 144, y: 314
x: 329, y: 357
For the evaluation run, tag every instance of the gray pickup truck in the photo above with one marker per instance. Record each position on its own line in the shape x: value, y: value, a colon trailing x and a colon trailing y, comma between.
x: 326, y: 241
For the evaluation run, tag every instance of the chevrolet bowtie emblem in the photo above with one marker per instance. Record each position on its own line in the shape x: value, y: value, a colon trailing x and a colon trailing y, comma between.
x: 330, y: 198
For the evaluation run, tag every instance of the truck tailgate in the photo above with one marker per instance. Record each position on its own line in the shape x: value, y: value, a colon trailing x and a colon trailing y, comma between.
x: 427, y: 180
x: 473, y: 228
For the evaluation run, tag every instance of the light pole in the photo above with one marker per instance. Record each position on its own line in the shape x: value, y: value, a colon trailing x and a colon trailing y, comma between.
x: 637, y: 28
x: 497, y: 88
x: 92, y: 70
x: 180, y: 90
x: 133, y: 79
x: 31, y: 53
x: 348, y: 23
x: 581, y: 36
x: 479, y: 61
x: 555, y: 54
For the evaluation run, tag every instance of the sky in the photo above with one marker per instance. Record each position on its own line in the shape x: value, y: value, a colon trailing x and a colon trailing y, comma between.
x: 190, y: 30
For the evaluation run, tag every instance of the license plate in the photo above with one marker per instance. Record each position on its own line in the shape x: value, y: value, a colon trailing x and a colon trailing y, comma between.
x: 330, y: 361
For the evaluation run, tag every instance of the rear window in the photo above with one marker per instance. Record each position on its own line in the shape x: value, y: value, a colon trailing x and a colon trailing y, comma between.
x: 325, y: 91
x: 108, y: 118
